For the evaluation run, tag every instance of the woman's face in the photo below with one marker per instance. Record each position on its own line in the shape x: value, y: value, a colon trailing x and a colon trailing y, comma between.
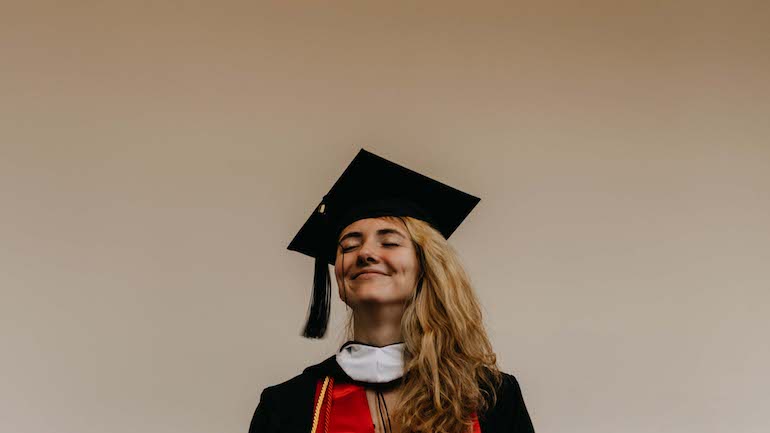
x: 376, y: 262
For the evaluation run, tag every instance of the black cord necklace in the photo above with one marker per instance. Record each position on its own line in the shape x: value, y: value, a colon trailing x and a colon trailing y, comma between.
x: 380, y: 405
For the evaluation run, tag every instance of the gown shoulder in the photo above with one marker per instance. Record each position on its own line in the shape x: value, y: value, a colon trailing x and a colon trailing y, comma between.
x: 509, y: 413
x: 285, y: 406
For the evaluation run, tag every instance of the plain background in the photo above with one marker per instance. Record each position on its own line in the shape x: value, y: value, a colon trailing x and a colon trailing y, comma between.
x: 156, y: 158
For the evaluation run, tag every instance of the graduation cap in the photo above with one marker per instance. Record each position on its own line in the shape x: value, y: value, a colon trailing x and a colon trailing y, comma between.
x: 371, y: 187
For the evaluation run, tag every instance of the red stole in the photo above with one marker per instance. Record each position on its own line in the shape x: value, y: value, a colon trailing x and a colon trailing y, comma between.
x: 344, y: 409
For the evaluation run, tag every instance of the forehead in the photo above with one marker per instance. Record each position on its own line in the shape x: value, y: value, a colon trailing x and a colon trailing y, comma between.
x: 373, y: 224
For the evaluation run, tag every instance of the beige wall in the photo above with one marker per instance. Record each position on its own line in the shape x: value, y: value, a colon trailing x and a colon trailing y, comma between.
x: 157, y: 157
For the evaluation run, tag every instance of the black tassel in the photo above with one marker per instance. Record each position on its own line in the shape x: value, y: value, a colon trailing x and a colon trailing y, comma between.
x: 318, y: 314
x: 320, y: 301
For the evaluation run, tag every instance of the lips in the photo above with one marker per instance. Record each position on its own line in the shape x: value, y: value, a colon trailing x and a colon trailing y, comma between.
x: 368, y: 271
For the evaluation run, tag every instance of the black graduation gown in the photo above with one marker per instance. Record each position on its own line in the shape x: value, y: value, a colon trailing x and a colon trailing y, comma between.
x: 288, y: 406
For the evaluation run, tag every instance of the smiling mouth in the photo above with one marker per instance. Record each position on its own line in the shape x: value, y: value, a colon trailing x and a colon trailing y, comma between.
x: 364, y: 274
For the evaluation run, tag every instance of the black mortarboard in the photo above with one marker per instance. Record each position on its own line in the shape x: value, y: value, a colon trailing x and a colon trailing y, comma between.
x: 371, y: 187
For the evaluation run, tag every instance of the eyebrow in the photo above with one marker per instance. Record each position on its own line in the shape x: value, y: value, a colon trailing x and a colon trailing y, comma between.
x: 380, y: 232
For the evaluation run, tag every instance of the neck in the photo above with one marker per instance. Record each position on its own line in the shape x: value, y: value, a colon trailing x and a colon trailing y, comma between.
x: 378, y: 325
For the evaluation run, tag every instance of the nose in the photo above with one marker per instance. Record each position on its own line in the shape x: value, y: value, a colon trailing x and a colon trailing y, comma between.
x: 367, y: 254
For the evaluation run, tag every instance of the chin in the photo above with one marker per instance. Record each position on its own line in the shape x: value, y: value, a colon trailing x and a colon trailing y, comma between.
x: 371, y: 294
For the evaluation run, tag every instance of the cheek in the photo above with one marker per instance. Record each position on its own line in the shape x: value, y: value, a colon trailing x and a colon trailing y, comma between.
x: 408, y: 269
x: 341, y: 265
x: 339, y: 269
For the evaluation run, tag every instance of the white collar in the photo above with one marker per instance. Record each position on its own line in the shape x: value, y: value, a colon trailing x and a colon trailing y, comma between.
x: 372, y: 364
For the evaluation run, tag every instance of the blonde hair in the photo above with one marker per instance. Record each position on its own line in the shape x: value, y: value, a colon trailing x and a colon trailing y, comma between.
x: 450, y: 369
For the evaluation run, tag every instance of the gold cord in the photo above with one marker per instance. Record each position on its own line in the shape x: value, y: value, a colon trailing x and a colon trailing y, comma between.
x: 319, y: 404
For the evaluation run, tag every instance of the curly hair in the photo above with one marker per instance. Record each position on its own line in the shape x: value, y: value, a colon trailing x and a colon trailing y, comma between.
x: 450, y: 369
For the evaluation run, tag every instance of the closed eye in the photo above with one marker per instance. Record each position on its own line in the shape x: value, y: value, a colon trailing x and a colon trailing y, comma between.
x: 350, y: 248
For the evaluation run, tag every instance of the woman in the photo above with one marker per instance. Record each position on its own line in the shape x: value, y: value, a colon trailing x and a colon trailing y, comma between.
x: 420, y: 359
